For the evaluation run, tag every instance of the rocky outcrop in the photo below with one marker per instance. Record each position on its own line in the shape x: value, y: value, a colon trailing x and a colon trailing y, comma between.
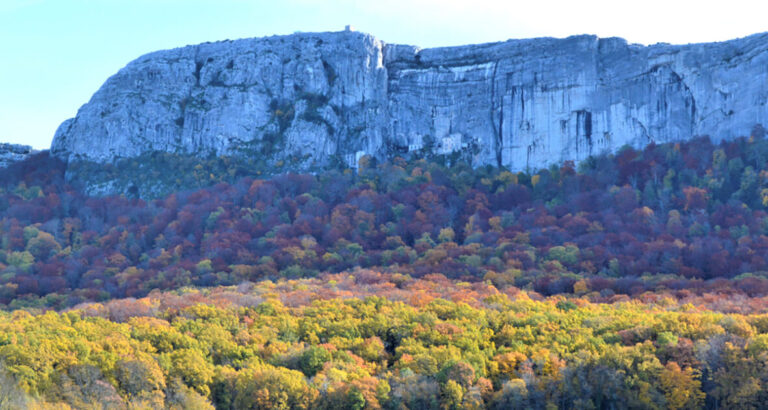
x: 314, y: 99
x: 10, y: 153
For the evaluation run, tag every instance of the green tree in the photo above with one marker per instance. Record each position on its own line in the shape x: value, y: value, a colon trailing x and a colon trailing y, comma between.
x: 313, y: 359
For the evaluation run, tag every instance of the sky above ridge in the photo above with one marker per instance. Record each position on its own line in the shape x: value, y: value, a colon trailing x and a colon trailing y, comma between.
x: 54, y: 54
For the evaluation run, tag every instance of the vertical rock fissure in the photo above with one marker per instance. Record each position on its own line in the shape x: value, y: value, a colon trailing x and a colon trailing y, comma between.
x: 588, y: 128
x: 501, y: 133
x: 693, y: 115
x: 496, y: 132
x: 198, y: 67
x: 688, y: 98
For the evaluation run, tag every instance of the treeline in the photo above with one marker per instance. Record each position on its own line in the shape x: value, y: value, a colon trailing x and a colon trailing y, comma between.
x: 264, y: 346
x: 675, y: 216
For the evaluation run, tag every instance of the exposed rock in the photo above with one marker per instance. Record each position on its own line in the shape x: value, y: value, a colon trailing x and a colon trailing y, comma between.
x: 10, y: 153
x: 316, y: 98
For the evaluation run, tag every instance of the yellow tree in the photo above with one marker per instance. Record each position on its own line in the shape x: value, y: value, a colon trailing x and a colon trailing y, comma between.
x: 681, y: 387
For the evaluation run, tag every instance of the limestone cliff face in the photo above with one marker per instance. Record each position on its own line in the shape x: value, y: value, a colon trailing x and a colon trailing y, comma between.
x: 10, y: 153
x: 317, y: 98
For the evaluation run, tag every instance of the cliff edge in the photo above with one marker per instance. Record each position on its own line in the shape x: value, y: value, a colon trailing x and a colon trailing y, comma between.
x: 314, y: 99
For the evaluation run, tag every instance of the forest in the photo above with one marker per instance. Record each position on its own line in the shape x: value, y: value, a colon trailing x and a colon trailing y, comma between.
x: 367, y: 340
x: 687, y: 217
x: 634, y: 280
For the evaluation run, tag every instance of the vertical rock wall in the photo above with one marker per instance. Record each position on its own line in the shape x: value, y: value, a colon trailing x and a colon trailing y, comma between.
x: 317, y: 98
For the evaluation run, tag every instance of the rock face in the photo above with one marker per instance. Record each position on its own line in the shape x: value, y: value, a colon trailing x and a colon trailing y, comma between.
x: 10, y: 153
x: 318, y: 98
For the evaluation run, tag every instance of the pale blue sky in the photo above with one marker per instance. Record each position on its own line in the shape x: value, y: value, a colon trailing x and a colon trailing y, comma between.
x: 54, y: 54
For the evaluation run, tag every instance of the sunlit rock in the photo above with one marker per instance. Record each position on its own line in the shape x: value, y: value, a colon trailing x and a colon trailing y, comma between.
x: 316, y: 99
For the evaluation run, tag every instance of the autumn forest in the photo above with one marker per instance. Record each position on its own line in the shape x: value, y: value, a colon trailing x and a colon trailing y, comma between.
x: 633, y: 280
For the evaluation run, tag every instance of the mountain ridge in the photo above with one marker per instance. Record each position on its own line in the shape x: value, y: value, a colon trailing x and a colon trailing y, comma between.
x: 319, y: 99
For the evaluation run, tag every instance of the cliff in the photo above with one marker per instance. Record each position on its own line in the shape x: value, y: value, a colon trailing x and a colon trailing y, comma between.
x: 10, y: 153
x: 314, y: 99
